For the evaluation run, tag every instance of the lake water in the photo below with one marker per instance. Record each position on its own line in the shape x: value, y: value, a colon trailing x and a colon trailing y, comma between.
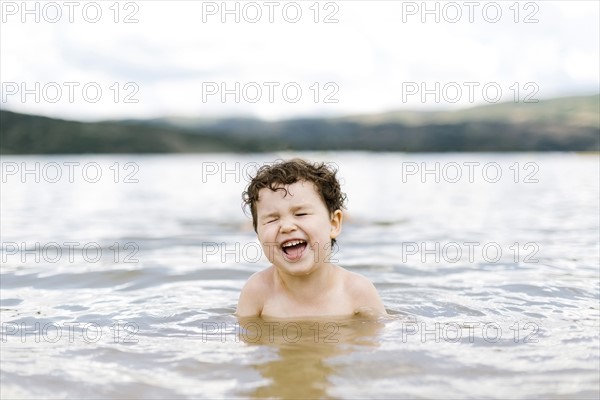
x: 120, y: 276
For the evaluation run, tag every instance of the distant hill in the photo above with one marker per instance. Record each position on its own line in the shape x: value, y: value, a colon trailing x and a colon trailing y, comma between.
x: 32, y: 134
x: 575, y: 111
x: 562, y: 124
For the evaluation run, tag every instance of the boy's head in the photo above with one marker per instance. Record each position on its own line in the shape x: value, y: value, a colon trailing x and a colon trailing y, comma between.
x: 284, y: 173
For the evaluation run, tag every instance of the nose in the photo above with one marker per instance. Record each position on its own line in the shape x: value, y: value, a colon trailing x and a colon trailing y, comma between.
x: 287, y: 225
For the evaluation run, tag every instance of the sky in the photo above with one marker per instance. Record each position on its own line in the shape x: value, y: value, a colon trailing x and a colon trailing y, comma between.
x: 283, y: 59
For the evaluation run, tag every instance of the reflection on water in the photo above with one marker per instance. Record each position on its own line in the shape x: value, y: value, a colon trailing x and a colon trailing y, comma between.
x: 127, y: 290
x: 303, y: 367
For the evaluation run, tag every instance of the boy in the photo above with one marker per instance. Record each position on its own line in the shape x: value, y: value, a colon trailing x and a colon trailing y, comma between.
x: 296, y: 213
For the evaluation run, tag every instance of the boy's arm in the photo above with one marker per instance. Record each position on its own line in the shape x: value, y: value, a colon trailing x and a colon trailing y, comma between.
x: 251, y: 298
x: 367, y: 300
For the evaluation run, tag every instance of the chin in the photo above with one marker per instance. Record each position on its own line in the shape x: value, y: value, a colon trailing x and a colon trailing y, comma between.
x: 297, y: 270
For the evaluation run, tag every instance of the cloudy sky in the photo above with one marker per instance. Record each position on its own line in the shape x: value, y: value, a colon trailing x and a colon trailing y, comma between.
x: 279, y: 59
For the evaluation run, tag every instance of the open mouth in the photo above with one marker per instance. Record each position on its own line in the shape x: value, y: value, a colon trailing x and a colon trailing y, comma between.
x: 293, y: 249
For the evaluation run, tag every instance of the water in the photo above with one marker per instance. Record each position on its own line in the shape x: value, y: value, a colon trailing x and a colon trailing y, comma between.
x: 125, y: 289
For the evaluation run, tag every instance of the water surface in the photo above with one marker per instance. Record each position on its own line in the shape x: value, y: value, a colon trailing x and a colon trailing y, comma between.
x: 491, y: 281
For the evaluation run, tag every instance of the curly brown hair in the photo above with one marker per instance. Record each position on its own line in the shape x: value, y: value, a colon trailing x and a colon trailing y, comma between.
x: 283, y: 172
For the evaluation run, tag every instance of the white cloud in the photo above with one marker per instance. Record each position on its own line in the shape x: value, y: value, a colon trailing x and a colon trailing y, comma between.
x: 370, y: 54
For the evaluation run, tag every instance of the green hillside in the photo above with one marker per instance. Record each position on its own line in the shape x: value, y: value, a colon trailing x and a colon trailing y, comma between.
x: 563, y: 124
x: 31, y: 134
x: 573, y: 111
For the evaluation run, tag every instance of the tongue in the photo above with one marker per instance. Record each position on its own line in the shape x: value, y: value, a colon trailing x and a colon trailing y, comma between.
x: 295, y: 252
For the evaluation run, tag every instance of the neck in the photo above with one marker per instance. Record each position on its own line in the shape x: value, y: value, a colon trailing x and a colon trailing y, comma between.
x: 307, y: 287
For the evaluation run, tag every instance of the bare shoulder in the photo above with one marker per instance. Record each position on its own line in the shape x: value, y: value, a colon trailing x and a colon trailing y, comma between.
x: 253, y: 294
x: 365, y: 295
x: 356, y: 282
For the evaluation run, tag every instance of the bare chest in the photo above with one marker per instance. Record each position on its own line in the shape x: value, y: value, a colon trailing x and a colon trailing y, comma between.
x: 335, y: 303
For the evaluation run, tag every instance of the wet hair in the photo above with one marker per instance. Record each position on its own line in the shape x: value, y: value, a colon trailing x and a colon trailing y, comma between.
x: 283, y: 173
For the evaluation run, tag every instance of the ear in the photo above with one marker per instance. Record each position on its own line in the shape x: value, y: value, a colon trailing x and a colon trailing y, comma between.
x: 336, y: 224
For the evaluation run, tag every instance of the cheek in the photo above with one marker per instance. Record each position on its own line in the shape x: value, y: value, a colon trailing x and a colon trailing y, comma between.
x: 266, y: 235
x: 269, y: 249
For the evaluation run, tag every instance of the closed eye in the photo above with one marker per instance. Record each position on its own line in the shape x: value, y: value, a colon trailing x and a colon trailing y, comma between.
x: 270, y: 220
x: 301, y: 214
